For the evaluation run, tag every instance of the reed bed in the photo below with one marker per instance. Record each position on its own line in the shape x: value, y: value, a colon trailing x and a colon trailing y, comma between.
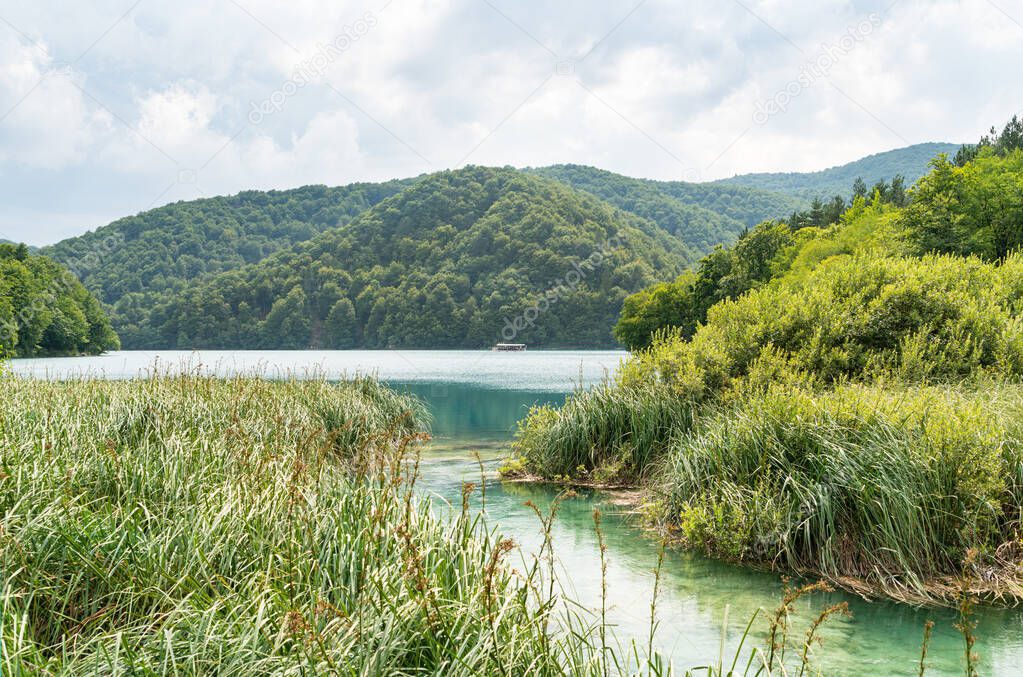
x: 195, y: 526
x: 909, y: 491
x: 201, y: 526
x: 608, y: 433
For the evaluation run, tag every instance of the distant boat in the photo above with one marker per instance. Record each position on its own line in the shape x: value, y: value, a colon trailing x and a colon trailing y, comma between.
x: 509, y: 347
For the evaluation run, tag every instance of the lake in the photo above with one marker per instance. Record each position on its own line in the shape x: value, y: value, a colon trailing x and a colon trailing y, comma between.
x: 476, y: 397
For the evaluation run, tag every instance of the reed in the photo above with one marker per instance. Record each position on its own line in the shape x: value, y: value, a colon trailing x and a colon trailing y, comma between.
x: 607, y: 433
x: 905, y: 489
x: 892, y: 485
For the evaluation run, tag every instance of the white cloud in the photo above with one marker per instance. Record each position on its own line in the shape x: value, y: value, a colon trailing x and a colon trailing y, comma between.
x: 47, y: 123
x: 159, y: 108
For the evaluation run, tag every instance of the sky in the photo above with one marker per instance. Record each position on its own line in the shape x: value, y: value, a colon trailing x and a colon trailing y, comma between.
x: 112, y: 107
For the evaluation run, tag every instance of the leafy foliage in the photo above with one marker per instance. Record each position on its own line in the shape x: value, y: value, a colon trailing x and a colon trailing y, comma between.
x: 45, y: 310
x: 856, y: 317
x: 1000, y: 143
x: 975, y: 209
x: 450, y: 262
x: 724, y: 273
x: 698, y: 227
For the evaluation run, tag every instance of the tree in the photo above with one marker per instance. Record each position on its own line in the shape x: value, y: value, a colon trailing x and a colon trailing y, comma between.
x: 340, y: 325
x: 288, y: 322
x: 1010, y: 139
x: 976, y: 209
x: 898, y: 195
x: 859, y: 188
x: 665, y: 305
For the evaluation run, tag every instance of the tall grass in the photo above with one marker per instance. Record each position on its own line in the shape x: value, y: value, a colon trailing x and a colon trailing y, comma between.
x: 905, y: 489
x: 201, y: 526
x: 193, y: 526
x: 610, y: 432
x: 900, y: 488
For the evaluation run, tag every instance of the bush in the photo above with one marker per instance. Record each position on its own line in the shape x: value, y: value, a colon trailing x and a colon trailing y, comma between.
x: 860, y: 317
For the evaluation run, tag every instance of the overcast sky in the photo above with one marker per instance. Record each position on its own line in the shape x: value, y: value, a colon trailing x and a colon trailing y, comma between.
x: 111, y: 107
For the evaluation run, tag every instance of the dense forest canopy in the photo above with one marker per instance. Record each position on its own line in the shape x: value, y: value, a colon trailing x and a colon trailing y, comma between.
x: 463, y: 258
x: 910, y: 162
x: 45, y: 310
x: 698, y: 227
x: 141, y: 263
x: 728, y: 272
x: 975, y: 209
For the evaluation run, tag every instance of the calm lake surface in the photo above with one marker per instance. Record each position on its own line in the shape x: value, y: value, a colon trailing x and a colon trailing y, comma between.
x: 476, y: 397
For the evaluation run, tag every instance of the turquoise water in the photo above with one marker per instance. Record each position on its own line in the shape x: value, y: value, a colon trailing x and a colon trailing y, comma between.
x: 476, y: 399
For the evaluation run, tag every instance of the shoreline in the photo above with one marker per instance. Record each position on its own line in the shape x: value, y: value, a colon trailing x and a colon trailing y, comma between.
x: 943, y: 592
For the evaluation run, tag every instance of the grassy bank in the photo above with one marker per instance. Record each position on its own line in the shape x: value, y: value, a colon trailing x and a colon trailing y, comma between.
x: 910, y: 491
x: 240, y: 527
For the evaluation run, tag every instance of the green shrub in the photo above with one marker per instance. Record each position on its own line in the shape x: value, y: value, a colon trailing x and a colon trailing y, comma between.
x: 860, y: 317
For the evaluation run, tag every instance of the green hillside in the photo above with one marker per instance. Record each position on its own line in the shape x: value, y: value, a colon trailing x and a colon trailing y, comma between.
x: 135, y: 262
x: 699, y: 228
x: 910, y: 162
x: 147, y: 268
x: 45, y: 310
x: 450, y: 262
x: 969, y: 210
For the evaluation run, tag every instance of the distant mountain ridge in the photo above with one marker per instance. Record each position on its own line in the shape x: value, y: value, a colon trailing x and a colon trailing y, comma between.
x: 911, y: 162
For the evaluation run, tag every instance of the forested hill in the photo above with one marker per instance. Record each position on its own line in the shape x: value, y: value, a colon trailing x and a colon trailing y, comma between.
x: 461, y: 258
x: 147, y: 268
x: 702, y: 215
x: 910, y: 162
x: 135, y: 262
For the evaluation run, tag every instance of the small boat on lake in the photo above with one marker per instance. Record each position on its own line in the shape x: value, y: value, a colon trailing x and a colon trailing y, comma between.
x: 509, y: 347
